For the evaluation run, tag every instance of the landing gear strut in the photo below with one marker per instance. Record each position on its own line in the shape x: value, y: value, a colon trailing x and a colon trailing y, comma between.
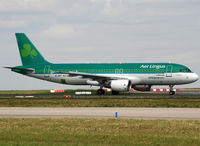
x: 171, y: 92
x: 100, y: 92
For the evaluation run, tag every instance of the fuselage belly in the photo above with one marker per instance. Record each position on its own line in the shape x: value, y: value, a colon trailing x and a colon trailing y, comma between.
x: 146, y: 79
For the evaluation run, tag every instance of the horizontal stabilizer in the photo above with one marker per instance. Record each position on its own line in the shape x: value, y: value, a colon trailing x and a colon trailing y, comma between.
x: 21, y: 70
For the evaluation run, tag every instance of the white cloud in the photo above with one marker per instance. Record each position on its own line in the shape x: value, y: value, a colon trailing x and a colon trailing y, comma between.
x: 107, y: 10
x: 161, y: 12
x: 161, y: 1
x: 198, y: 22
x: 12, y: 23
x: 27, y: 5
x: 60, y: 31
x: 93, y: 1
x: 28, y: 1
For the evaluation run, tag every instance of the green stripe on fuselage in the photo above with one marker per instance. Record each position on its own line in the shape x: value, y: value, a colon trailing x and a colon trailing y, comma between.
x: 127, y: 68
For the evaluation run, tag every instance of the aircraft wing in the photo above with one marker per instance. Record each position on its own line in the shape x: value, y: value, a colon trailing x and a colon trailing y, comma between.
x: 93, y: 76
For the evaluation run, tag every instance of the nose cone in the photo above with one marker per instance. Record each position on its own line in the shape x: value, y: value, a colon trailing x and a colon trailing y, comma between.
x: 194, y: 77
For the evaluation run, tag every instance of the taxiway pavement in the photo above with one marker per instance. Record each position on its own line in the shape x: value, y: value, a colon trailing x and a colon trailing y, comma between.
x: 99, y: 112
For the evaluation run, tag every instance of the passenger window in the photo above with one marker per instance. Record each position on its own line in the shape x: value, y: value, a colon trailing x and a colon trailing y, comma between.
x: 185, y: 70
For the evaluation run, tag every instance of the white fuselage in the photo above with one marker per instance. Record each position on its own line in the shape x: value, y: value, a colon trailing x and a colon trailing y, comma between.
x: 136, y: 79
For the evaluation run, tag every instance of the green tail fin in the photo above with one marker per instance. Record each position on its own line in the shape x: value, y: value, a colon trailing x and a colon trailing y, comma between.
x: 29, y: 54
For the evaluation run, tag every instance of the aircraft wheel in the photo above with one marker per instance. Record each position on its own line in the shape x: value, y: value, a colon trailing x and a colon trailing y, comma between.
x: 172, y: 93
x: 100, y: 92
x: 115, y: 92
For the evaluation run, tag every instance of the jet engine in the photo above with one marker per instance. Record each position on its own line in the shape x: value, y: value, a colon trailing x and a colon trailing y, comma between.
x: 120, y: 85
x: 142, y: 87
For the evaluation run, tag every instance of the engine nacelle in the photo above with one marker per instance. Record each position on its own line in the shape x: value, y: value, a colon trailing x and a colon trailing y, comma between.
x: 142, y: 87
x: 120, y: 85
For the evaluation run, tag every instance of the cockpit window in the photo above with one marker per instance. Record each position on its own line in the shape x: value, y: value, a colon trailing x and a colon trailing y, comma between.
x: 185, y: 70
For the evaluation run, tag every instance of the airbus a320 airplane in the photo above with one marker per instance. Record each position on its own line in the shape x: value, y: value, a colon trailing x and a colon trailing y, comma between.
x: 117, y: 76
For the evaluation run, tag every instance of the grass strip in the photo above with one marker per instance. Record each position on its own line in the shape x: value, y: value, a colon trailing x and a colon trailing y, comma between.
x: 101, y: 102
x: 67, y: 131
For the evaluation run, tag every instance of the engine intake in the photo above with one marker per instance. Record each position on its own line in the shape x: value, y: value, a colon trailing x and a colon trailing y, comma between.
x: 120, y: 85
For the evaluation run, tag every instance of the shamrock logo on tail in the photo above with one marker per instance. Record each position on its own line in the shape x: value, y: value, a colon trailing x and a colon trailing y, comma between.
x: 28, y: 51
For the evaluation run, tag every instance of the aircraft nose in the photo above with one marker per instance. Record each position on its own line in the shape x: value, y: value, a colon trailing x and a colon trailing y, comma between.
x: 194, y: 77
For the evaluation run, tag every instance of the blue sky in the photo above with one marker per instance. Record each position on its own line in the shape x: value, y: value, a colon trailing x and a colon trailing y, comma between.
x: 99, y: 31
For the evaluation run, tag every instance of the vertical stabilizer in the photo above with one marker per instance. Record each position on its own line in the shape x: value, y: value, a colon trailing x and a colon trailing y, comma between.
x: 28, y: 53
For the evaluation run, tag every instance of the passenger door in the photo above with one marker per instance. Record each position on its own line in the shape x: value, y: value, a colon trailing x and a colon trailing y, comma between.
x: 169, y: 71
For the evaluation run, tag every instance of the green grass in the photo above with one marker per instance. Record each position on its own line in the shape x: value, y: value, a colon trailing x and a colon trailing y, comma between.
x: 101, y: 102
x: 64, y: 131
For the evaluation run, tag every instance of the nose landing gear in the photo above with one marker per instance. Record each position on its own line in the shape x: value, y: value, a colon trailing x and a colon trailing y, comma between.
x: 171, y: 91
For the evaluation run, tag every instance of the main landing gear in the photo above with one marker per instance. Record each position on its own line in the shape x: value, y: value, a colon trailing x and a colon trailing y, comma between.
x: 171, y: 91
x: 100, y: 92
